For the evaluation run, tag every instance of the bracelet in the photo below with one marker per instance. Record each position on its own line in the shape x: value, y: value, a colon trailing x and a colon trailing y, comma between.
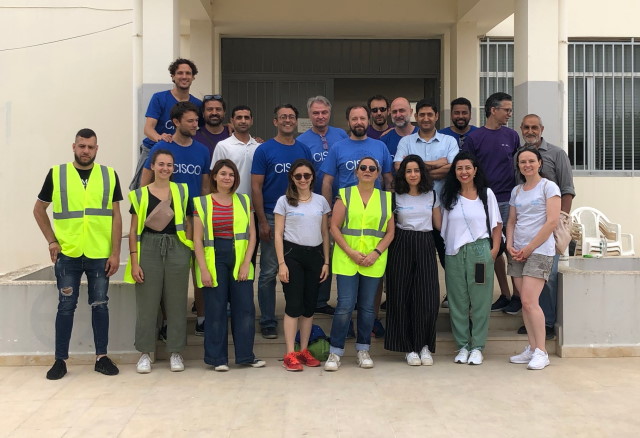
x: 53, y: 241
x: 378, y: 251
x: 132, y: 252
x: 281, y: 263
x: 326, y: 264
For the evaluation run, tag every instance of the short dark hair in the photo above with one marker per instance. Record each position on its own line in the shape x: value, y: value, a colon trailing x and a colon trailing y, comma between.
x: 377, y: 97
x: 216, y: 168
x: 461, y: 101
x: 429, y: 104
x: 533, y: 150
x: 352, y: 107
x: 86, y: 133
x: 173, y: 67
x: 180, y: 108
x: 285, y: 105
x: 215, y: 97
x: 401, y: 184
x: 494, y: 101
x: 241, y: 108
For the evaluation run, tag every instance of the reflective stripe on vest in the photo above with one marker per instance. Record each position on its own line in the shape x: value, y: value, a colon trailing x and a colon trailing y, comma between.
x: 346, y: 231
x: 64, y: 198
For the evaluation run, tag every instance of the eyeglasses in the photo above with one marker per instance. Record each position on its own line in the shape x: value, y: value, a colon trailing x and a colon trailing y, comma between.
x: 379, y: 109
x: 364, y: 167
x: 299, y: 176
x: 325, y: 143
x: 506, y: 110
x: 284, y: 117
x: 209, y: 97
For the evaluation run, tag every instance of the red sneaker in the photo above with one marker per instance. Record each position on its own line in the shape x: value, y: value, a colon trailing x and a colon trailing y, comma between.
x: 306, y: 358
x: 291, y: 362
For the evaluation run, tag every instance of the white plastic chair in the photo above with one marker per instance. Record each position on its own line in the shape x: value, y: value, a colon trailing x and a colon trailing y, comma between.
x: 595, y: 226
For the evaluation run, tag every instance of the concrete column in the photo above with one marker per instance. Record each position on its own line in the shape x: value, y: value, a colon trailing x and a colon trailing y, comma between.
x: 201, y: 43
x: 465, y: 65
x: 538, y: 80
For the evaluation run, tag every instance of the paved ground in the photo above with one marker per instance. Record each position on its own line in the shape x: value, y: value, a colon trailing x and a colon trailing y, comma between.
x: 571, y: 398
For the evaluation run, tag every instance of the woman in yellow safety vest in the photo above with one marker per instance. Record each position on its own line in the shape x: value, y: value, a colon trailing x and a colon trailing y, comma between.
x: 362, y: 227
x: 224, y: 238
x: 159, y: 260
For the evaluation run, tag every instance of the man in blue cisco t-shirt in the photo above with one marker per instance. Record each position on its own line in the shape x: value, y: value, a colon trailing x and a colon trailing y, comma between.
x: 401, y: 113
x: 158, y: 125
x: 269, y: 180
x: 344, y: 156
x: 460, y: 118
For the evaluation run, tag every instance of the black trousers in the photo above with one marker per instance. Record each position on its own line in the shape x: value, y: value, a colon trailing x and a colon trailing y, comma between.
x: 305, y: 265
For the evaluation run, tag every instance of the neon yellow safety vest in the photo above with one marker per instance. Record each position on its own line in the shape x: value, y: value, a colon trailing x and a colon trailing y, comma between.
x: 82, y: 216
x: 363, y: 228
x: 241, y: 215
x: 140, y: 201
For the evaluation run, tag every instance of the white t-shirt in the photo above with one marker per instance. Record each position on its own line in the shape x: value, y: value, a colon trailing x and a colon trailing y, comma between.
x: 242, y: 156
x: 415, y: 212
x: 303, y: 224
x: 531, y: 215
x: 466, y: 222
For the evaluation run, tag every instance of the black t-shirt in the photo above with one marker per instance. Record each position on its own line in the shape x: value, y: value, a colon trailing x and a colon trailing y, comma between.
x: 153, y: 203
x: 46, y: 193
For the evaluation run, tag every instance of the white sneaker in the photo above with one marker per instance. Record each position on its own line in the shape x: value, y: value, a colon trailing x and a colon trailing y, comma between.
x: 413, y: 359
x: 475, y: 358
x: 425, y: 356
x: 176, y: 362
x: 332, y: 363
x: 364, y: 360
x: 539, y: 360
x: 223, y: 367
x: 462, y: 356
x: 144, y: 364
x: 524, y: 357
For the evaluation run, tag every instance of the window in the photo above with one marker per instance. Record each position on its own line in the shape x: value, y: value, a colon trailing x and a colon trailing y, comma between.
x: 496, y: 72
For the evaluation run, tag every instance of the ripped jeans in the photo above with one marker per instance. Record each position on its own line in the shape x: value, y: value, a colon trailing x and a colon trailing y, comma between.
x: 69, y: 271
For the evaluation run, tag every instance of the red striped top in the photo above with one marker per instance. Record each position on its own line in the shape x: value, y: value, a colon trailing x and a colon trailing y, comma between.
x: 222, y: 220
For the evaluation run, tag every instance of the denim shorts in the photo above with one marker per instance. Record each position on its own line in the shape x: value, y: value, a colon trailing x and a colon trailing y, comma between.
x: 537, y: 266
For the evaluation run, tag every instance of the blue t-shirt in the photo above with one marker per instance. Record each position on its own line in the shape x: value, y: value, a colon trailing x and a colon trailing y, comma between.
x: 189, y: 164
x: 319, y: 150
x: 160, y: 109
x: 494, y: 149
x: 273, y: 160
x: 459, y: 138
x: 392, y: 138
x: 345, y: 155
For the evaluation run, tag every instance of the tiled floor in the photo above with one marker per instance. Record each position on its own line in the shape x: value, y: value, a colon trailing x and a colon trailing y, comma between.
x: 571, y: 398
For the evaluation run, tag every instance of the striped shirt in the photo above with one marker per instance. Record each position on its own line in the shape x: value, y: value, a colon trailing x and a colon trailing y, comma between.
x: 222, y: 220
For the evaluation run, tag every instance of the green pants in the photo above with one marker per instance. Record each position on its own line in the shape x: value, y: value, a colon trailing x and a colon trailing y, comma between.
x: 469, y: 302
x: 165, y: 263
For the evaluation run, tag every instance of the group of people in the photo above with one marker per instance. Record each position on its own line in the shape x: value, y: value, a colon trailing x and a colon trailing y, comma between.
x: 204, y: 198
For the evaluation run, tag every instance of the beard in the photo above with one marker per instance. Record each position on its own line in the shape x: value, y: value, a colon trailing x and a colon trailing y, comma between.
x: 359, y: 131
x: 400, y: 122
x: 84, y: 161
x: 461, y: 123
x: 213, y: 121
x: 185, y: 132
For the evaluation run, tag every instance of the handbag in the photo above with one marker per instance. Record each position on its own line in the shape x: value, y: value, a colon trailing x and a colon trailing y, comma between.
x: 562, y: 233
x: 161, y: 216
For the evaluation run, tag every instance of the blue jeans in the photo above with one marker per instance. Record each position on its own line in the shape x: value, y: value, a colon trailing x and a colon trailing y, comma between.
x: 243, y: 314
x: 267, y: 280
x: 504, y: 214
x: 69, y: 271
x: 549, y: 295
x: 351, y: 289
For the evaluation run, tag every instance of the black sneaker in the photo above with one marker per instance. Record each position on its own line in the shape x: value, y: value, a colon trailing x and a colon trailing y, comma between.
x: 58, y: 370
x: 378, y: 329
x: 269, y: 333
x: 162, y: 334
x: 327, y: 310
x: 500, y: 303
x: 445, y: 302
x: 106, y: 366
x: 514, y: 307
x: 199, y: 329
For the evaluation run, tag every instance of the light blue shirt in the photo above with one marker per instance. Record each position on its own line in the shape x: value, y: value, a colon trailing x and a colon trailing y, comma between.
x: 440, y: 145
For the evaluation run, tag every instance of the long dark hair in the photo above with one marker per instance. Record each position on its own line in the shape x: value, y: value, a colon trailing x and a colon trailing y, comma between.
x: 451, y: 188
x: 533, y: 150
x: 402, y: 186
x: 292, y: 190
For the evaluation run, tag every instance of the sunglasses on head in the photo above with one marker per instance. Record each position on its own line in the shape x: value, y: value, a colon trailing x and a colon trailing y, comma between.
x: 379, y: 109
x: 209, y: 97
x: 364, y: 167
x: 299, y: 176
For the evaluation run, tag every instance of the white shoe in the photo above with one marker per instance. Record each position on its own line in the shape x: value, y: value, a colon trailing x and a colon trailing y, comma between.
x: 539, y: 360
x: 176, y: 362
x: 524, y: 357
x: 364, y: 360
x: 413, y: 359
x: 332, y: 363
x: 462, y: 356
x: 475, y: 358
x: 223, y: 367
x: 144, y: 364
x: 425, y: 356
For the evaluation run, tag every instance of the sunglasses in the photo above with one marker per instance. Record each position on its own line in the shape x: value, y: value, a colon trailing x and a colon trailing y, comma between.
x: 209, y: 97
x: 299, y: 176
x: 379, y: 109
x: 364, y: 167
